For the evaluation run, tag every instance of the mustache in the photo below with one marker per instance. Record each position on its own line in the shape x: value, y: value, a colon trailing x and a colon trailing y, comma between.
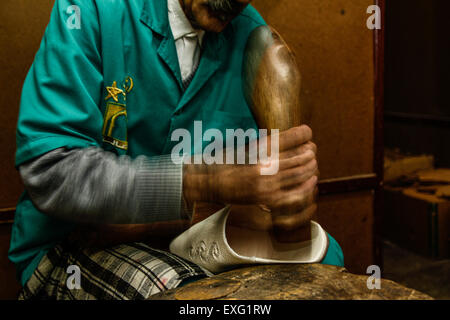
x: 225, y: 7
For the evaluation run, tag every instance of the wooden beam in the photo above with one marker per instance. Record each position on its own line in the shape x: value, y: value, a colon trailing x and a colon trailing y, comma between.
x: 348, y: 184
x: 379, y: 65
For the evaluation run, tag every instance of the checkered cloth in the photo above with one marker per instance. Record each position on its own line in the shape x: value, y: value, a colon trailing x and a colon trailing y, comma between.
x: 123, y: 272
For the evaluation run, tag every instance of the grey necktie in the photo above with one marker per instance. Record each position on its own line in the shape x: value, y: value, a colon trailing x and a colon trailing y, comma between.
x: 191, y: 58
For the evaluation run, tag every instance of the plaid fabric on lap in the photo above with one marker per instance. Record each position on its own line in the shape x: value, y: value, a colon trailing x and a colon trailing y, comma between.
x: 125, y: 272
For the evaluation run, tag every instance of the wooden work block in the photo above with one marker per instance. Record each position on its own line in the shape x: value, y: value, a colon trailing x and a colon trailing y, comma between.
x: 289, y: 282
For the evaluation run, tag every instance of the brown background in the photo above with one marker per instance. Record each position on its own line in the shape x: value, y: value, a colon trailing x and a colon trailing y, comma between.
x: 22, y: 24
x: 417, y: 80
x: 335, y: 53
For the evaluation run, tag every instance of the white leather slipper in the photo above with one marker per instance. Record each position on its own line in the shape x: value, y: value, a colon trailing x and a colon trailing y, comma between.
x: 216, y: 246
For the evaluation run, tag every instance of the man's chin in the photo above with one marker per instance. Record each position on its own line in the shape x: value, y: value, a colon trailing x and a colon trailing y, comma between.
x: 211, y: 24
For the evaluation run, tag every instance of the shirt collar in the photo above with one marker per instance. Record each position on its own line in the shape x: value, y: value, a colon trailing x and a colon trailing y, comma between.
x: 179, y: 23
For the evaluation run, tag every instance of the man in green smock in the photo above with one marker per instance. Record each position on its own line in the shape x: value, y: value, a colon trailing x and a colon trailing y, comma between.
x: 110, y: 83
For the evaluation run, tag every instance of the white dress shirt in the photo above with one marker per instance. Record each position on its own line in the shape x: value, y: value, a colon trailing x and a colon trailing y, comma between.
x: 188, y: 40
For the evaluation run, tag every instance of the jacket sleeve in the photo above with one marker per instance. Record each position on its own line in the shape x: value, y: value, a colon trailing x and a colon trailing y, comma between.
x: 63, y: 91
x: 91, y: 185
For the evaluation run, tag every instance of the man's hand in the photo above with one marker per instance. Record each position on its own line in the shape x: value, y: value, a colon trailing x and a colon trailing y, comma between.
x: 288, y: 194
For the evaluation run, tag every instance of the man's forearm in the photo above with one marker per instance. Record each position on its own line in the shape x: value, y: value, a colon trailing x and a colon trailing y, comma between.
x: 198, y: 183
x: 95, y: 186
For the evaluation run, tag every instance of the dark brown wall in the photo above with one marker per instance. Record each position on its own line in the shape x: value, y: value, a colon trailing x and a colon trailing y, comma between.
x: 349, y: 219
x: 9, y: 287
x: 22, y: 24
x: 418, y: 77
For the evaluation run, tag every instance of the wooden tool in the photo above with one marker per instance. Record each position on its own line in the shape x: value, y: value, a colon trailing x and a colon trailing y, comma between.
x: 272, y: 81
x: 271, y: 85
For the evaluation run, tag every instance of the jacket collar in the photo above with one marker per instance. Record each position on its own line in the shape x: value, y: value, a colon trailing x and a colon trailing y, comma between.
x: 179, y: 23
x: 154, y: 15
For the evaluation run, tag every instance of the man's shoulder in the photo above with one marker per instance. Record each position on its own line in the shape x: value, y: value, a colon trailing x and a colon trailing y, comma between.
x: 249, y: 19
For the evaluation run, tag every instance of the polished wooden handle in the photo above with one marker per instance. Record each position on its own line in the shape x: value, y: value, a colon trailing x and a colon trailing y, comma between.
x: 272, y: 84
x: 272, y: 87
x: 272, y: 81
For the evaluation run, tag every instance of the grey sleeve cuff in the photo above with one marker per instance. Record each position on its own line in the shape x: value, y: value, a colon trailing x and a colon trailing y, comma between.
x: 95, y: 186
x: 159, y: 185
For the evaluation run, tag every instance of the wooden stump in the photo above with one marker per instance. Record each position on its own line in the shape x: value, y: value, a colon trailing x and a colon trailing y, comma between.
x: 290, y: 282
